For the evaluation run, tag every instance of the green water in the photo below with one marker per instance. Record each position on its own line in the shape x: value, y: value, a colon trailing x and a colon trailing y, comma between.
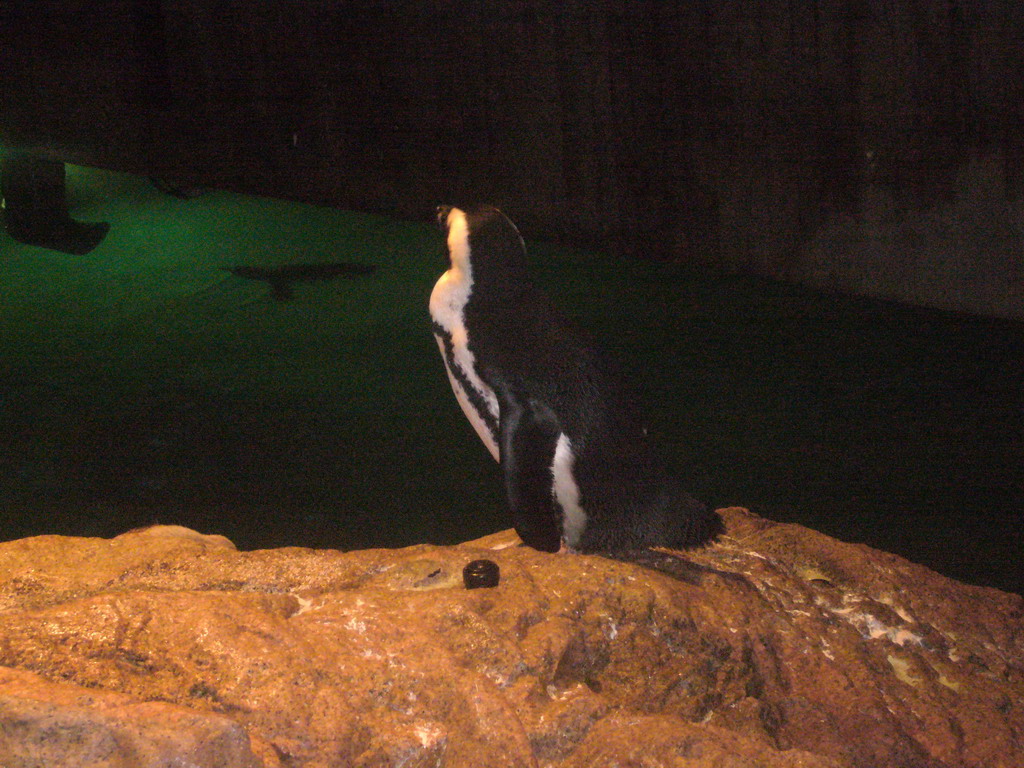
x: 144, y: 383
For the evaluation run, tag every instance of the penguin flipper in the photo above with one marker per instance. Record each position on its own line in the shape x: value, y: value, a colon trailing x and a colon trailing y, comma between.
x: 528, y: 433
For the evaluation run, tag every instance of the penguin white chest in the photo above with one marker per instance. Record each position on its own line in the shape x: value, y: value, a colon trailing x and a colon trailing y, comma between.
x: 447, y: 310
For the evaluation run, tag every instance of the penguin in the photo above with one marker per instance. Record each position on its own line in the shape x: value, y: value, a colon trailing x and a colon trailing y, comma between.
x: 579, y: 471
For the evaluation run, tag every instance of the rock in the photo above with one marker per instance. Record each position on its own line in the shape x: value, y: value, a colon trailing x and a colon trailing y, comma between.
x: 777, y: 646
x: 53, y: 724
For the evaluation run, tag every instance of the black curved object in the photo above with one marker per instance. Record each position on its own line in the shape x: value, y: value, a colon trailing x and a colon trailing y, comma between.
x: 36, y: 209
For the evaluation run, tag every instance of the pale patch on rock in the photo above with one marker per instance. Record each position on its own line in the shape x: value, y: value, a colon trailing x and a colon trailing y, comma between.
x: 181, y: 532
x: 902, y: 669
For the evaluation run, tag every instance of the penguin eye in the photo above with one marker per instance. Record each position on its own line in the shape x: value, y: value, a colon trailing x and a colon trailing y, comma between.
x: 442, y: 217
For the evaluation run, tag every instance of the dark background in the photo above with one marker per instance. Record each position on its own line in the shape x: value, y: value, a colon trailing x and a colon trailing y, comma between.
x: 867, y: 146
x: 726, y: 132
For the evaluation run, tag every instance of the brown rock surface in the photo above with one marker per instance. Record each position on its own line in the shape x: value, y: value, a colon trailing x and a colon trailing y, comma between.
x: 786, y: 648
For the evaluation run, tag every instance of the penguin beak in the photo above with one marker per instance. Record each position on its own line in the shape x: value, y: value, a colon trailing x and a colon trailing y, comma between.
x: 442, y: 216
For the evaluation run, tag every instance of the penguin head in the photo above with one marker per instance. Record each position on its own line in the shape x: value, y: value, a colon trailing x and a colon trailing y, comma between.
x: 482, y: 241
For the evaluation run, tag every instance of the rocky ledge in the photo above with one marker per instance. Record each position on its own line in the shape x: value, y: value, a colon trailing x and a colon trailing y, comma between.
x: 778, y: 646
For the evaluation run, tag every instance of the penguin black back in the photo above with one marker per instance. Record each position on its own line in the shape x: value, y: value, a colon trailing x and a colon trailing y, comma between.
x: 575, y: 456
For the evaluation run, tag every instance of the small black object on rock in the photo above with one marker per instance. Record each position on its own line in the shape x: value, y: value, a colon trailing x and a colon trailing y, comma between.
x: 481, y: 573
